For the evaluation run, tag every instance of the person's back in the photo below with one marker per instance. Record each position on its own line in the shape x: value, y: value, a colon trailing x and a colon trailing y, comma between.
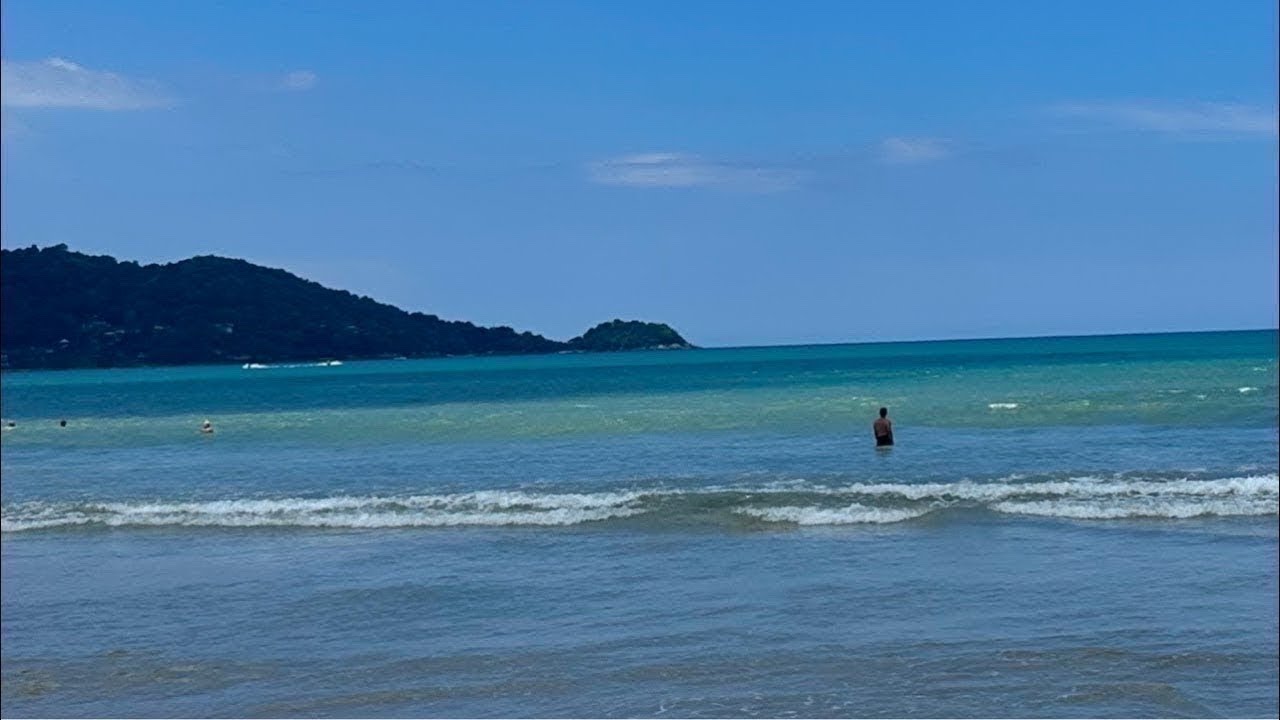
x: 883, y: 428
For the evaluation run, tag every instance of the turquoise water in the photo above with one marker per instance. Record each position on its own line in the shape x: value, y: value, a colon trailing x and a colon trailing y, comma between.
x: 1067, y: 527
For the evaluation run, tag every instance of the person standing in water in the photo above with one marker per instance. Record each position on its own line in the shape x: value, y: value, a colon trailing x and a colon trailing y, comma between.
x: 883, y: 428
x: 206, y: 427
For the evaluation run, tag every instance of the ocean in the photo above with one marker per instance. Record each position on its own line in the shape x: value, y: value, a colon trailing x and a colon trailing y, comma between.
x: 1066, y: 527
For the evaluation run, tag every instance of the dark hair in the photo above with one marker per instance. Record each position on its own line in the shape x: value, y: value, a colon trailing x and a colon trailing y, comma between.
x: 884, y: 411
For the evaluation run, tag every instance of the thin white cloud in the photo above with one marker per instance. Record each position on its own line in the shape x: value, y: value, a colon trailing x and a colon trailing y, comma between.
x: 911, y: 151
x: 299, y: 80
x: 679, y: 170
x: 1175, y: 117
x: 59, y: 83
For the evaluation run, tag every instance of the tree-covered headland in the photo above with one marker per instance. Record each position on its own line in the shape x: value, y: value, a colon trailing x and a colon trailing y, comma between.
x: 64, y: 309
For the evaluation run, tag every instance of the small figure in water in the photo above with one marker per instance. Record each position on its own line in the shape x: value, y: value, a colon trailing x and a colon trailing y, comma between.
x: 10, y: 425
x: 206, y: 427
x: 62, y: 423
x: 883, y: 428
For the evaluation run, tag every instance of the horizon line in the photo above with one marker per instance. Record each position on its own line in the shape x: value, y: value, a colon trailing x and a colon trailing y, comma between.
x: 1137, y: 333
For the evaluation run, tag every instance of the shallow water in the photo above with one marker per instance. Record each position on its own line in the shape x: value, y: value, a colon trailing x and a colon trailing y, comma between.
x: 1067, y: 527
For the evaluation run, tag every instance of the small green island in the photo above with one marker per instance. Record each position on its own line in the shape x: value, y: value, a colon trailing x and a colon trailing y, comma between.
x: 65, y: 309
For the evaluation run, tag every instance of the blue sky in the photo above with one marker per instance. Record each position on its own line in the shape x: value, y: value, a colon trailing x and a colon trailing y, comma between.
x: 749, y: 172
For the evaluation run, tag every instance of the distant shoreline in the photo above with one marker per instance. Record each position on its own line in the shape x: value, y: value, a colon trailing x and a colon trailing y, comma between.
x: 317, y: 362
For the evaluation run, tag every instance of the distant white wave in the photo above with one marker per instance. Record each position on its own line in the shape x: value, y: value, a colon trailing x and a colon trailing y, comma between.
x: 1003, y: 406
x: 262, y: 366
x: 1245, y: 390
x: 796, y: 502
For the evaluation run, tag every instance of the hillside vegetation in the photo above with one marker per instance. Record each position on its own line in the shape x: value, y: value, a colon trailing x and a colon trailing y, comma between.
x: 64, y: 309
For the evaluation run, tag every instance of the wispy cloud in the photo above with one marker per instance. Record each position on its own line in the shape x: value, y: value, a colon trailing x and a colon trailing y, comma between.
x: 909, y: 151
x: 59, y: 83
x: 299, y: 80
x: 1175, y: 117
x: 680, y: 170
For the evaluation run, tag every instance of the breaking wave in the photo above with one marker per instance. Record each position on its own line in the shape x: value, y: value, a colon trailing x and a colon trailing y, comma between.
x: 853, y: 514
x: 792, y: 503
x: 275, y: 366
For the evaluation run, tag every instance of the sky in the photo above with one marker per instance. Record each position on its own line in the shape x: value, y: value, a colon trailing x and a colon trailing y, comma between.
x: 751, y: 173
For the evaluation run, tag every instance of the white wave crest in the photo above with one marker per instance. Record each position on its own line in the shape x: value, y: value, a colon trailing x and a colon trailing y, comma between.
x: 795, y: 501
x: 1003, y: 406
x: 851, y: 515
x: 264, y: 366
x: 1245, y: 390
x: 1140, y: 508
x: 477, y: 508
x: 1258, y: 486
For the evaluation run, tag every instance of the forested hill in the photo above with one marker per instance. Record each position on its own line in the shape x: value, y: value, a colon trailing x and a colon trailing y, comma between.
x: 64, y: 309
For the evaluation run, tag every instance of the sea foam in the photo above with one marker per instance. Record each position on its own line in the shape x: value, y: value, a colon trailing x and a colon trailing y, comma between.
x: 1139, y: 508
x: 852, y: 514
x: 477, y: 508
x: 795, y: 502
